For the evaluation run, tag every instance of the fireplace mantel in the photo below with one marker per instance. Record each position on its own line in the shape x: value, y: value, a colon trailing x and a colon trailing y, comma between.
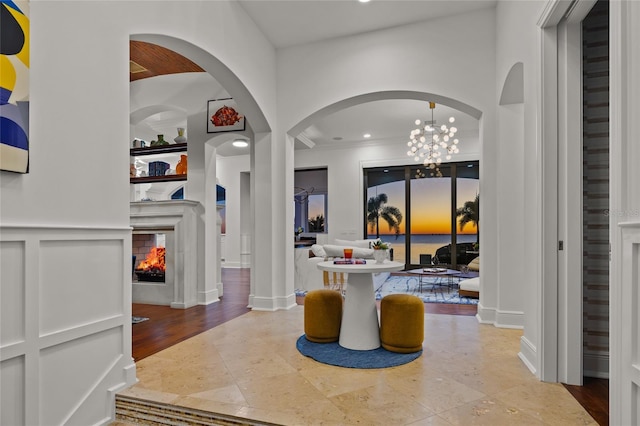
x: 183, y: 219
x: 147, y: 214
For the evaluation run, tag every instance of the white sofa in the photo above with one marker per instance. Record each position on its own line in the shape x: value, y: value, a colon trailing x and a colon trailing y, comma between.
x: 469, y: 288
x: 309, y: 277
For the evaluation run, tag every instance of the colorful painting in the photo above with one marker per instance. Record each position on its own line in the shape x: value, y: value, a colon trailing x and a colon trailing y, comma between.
x: 223, y: 116
x: 14, y: 86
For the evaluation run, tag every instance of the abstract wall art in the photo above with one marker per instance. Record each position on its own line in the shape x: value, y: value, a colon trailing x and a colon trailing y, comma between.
x: 14, y: 86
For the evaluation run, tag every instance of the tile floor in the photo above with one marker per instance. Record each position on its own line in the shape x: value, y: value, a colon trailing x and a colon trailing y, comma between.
x: 468, y: 374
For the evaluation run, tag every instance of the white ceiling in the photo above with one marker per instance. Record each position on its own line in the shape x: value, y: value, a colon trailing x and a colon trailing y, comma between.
x: 287, y: 23
x: 387, y: 121
x: 291, y: 22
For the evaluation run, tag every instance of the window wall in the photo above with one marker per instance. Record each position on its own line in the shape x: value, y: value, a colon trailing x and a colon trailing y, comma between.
x: 420, y: 212
x: 310, y: 200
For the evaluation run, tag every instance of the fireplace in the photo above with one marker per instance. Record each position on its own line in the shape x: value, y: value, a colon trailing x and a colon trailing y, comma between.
x: 174, y: 227
x: 149, y: 251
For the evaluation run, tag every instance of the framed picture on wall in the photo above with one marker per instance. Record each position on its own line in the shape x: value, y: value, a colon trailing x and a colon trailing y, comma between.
x: 14, y: 87
x: 223, y: 116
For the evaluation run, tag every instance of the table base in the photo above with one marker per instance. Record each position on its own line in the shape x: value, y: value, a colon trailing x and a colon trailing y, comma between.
x: 360, y: 329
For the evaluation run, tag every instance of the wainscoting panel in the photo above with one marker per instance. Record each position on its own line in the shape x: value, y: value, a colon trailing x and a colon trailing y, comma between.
x: 626, y: 334
x: 71, y: 271
x: 93, y: 357
x: 66, y: 323
x: 12, y: 298
x: 12, y: 403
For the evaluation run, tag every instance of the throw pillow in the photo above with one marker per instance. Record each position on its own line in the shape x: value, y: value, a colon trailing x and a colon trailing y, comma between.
x: 318, y: 250
x: 356, y: 243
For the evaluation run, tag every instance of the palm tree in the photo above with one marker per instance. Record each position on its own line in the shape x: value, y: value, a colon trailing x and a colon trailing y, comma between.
x: 470, y: 213
x: 316, y: 224
x: 377, y: 208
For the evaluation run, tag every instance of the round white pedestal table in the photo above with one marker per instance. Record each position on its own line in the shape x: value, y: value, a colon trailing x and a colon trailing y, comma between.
x: 360, y: 329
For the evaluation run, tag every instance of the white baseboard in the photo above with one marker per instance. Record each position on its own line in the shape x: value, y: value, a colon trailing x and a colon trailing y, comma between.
x: 272, y: 303
x: 486, y: 315
x: 510, y: 319
x: 208, y: 297
x: 528, y: 354
x: 500, y: 319
x: 596, y: 365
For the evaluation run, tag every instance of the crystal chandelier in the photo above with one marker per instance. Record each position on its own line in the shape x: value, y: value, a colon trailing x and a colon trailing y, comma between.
x: 426, y: 141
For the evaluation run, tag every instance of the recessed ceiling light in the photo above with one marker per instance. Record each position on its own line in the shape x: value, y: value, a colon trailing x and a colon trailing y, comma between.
x: 364, y: 1
x: 239, y: 143
x: 367, y: 135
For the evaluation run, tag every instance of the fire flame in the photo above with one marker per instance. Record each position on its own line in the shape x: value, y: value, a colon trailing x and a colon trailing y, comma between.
x: 154, y: 260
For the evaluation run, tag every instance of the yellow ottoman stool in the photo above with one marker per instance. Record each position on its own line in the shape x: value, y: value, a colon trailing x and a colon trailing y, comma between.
x: 322, y: 315
x: 401, y: 323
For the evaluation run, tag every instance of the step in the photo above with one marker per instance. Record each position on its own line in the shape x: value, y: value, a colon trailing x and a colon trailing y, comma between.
x: 144, y: 412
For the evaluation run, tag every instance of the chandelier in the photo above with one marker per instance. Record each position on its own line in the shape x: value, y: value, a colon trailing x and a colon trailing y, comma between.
x: 426, y: 142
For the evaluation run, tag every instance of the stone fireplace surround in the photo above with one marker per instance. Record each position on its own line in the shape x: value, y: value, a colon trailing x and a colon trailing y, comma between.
x: 181, y: 221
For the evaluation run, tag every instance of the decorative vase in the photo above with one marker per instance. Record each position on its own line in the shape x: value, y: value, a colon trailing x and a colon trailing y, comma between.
x: 160, y: 141
x: 181, y: 138
x: 380, y: 255
x: 181, y: 167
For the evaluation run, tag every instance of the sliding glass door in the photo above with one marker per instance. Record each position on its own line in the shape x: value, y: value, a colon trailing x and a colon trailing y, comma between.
x: 385, y: 208
x: 430, y: 225
x: 468, y: 207
x: 429, y: 217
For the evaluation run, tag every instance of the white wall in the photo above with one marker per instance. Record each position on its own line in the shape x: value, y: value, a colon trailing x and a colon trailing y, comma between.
x: 624, y: 396
x: 315, y: 76
x: 517, y: 41
x: 229, y: 174
x: 74, y: 202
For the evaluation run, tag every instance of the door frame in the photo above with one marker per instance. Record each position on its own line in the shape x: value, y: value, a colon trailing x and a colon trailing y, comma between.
x: 624, y: 228
x: 560, y: 111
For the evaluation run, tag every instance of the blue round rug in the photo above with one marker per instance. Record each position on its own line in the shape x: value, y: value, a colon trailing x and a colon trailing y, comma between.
x: 334, y: 354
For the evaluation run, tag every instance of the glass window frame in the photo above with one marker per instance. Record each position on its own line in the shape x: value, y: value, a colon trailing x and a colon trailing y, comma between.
x: 458, y: 170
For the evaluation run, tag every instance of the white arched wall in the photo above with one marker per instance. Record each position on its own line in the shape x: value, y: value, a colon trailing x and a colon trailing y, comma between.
x: 84, y: 350
x: 343, y: 205
x: 221, y: 72
x: 232, y: 172
x: 212, y: 230
x: 517, y: 41
x: 345, y: 200
x: 511, y: 240
x: 145, y: 112
x: 202, y: 177
x: 378, y: 96
x: 513, y: 86
x: 397, y: 60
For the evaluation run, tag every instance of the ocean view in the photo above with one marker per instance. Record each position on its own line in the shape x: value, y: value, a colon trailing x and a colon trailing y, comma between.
x: 421, y: 244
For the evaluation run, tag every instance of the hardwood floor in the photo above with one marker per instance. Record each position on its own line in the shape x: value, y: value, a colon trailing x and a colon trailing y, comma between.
x: 167, y: 326
x: 593, y: 395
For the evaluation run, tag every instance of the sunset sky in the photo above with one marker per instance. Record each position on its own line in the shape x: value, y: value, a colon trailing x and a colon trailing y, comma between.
x: 431, y: 201
x: 316, y: 206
